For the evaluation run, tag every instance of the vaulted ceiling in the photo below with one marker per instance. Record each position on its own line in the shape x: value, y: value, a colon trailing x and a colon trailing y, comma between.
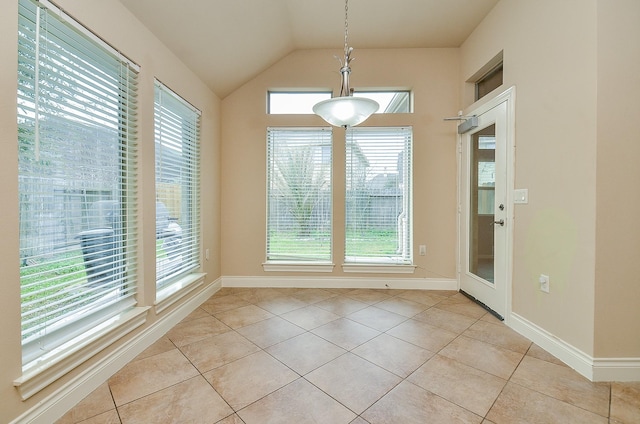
x: 228, y: 42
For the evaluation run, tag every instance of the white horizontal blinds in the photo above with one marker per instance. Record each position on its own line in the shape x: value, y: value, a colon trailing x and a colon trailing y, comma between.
x: 177, y: 141
x: 378, y: 195
x: 299, y: 207
x: 77, y: 181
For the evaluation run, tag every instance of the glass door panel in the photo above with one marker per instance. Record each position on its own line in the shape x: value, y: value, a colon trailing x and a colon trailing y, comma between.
x: 482, y: 184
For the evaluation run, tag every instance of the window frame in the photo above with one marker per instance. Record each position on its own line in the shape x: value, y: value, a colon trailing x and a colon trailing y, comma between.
x: 371, y: 94
x: 176, y: 127
x: 69, y: 80
x: 293, y: 260
x: 405, y: 102
x: 382, y: 263
x: 307, y: 109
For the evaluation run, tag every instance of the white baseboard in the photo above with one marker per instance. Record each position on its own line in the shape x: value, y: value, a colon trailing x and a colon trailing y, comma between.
x: 616, y: 369
x: 343, y: 282
x: 59, y: 402
x: 595, y: 369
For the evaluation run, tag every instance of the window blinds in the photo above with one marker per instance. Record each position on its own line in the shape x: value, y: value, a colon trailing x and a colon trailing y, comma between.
x: 378, y: 195
x: 177, y: 138
x: 299, y: 204
x: 77, y: 180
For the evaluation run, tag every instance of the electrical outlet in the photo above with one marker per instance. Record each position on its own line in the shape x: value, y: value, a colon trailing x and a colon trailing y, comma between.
x: 544, y: 283
x: 422, y: 250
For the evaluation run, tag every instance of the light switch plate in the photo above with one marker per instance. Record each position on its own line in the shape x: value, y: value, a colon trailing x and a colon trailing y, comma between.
x: 521, y: 196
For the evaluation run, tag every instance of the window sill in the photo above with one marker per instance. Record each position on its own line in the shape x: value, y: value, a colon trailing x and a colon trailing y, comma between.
x: 379, y: 268
x: 177, y: 290
x: 47, y: 369
x: 297, y: 267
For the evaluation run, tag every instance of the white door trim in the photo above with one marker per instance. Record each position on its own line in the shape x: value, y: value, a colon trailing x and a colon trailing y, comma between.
x: 478, y: 108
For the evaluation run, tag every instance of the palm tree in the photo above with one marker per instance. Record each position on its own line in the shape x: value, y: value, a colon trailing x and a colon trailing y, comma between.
x: 300, y: 178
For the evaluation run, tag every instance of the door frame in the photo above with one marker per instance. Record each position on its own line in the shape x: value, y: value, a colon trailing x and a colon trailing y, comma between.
x: 479, y: 108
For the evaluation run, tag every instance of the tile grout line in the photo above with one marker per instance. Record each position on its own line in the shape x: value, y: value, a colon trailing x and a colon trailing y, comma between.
x: 351, y: 350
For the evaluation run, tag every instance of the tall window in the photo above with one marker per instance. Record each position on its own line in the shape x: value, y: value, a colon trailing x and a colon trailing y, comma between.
x: 378, y: 195
x: 299, y: 194
x: 177, y: 135
x: 77, y: 181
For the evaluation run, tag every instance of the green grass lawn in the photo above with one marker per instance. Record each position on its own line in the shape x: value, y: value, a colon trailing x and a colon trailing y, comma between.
x: 50, y: 286
x: 58, y: 284
x: 357, y: 244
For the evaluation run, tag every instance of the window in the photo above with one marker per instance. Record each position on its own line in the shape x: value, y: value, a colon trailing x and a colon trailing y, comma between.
x: 389, y: 101
x: 177, y: 141
x: 302, y: 102
x: 484, y: 153
x: 288, y: 102
x: 489, y: 81
x: 299, y: 194
x: 77, y: 181
x: 378, y: 195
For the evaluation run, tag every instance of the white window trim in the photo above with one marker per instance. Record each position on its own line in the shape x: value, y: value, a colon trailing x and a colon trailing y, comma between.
x: 95, y: 336
x: 178, y: 290
x: 382, y: 264
x: 167, y: 293
x: 48, y: 368
x: 273, y: 264
x: 88, y: 33
x: 379, y: 268
x: 297, y: 267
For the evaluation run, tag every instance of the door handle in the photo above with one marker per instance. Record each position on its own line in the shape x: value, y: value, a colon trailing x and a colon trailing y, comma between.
x: 500, y: 223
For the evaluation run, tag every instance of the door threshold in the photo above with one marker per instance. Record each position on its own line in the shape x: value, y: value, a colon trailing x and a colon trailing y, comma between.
x: 491, y: 311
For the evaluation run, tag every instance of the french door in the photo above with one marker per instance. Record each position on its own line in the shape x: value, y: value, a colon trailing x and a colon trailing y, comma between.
x: 485, y: 197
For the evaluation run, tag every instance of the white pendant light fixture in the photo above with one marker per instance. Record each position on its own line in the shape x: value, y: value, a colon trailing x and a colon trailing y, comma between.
x: 345, y: 110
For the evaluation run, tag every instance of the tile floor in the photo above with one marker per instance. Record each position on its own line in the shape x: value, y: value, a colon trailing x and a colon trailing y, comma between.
x: 259, y: 356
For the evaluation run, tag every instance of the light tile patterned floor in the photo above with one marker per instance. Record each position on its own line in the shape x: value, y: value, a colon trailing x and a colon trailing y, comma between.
x: 260, y: 356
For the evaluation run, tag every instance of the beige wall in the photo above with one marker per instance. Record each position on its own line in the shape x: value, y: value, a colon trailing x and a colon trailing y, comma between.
x: 431, y: 74
x: 575, y: 66
x: 617, y: 312
x: 110, y: 20
x: 550, y: 56
x: 9, y: 256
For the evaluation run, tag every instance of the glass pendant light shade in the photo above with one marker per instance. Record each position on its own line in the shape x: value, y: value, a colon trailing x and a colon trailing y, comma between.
x: 345, y: 111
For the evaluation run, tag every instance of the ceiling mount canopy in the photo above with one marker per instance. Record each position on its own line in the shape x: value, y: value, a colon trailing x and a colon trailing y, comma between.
x: 346, y: 110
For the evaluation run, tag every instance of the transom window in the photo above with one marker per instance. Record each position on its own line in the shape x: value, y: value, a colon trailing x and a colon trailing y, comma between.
x: 489, y: 81
x: 302, y: 102
x: 389, y: 101
x: 295, y: 103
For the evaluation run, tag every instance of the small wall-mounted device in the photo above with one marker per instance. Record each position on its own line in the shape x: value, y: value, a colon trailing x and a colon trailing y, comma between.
x: 468, y: 122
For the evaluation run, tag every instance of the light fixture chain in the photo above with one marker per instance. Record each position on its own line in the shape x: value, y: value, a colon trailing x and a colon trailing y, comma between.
x: 345, y: 110
x: 346, y: 26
